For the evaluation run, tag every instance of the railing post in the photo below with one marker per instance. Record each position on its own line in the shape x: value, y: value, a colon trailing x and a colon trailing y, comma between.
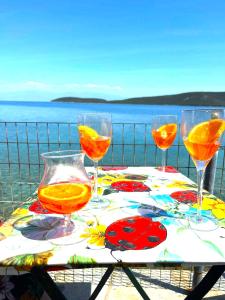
x: 210, y: 174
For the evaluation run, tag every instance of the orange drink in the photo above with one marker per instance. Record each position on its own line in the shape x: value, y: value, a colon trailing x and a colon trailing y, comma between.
x: 164, y: 130
x: 64, y: 188
x: 95, y: 131
x: 165, y: 135
x: 201, y: 130
x: 65, y: 197
x: 202, y: 141
x: 95, y: 147
x: 200, y: 151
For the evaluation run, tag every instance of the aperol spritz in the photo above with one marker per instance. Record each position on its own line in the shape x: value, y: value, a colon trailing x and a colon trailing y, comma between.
x: 164, y: 130
x: 95, y: 131
x: 65, y: 187
x: 202, y: 131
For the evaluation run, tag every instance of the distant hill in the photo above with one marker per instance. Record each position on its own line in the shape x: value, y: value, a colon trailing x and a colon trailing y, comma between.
x: 192, y: 98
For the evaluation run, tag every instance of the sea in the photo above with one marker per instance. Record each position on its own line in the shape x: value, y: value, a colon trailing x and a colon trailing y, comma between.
x: 28, y: 111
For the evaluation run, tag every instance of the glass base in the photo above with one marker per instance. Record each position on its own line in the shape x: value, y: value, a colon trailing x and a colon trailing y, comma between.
x: 68, y: 234
x: 50, y: 228
x: 202, y: 223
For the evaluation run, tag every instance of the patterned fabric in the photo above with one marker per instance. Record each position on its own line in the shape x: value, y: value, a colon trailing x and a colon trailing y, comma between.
x: 146, y: 219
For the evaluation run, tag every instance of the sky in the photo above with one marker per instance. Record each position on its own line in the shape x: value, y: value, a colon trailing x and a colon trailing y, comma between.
x: 111, y: 49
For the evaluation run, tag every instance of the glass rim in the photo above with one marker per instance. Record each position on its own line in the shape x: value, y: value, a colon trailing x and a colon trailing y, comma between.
x: 61, y: 153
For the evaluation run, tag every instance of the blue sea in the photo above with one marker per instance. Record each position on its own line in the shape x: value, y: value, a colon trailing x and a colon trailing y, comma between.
x: 66, y: 112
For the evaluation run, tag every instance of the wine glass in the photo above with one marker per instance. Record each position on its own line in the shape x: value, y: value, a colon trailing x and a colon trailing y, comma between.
x: 95, y: 131
x: 201, y: 131
x: 164, y: 129
x: 65, y: 188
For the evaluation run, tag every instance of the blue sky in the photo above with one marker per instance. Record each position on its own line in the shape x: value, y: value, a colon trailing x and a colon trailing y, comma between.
x: 112, y: 49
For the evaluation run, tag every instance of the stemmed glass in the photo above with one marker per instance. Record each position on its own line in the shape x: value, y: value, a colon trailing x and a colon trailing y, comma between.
x: 65, y: 188
x: 95, y: 131
x: 164, y: 129
x: 201, y: 131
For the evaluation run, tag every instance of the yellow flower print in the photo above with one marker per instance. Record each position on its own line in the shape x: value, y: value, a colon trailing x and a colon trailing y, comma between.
x: 155, y: 186
x: 7, y: 227
x: 109, y: 179
x: 95, y: 235
x: 179, y: 184
x: 100, y: 190
x: 217, y: 207
x: 5, y: 230
x: 20, y: 211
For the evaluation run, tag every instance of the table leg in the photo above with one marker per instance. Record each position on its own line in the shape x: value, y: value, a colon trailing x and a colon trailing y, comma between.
x: 135, y: 283
x: 41, y: 275
x: 102, y: 282
x: 130, y: 276
x: 206, y: 283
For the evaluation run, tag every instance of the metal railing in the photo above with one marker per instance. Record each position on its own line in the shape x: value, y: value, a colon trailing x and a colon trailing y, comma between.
x: 21, y: 144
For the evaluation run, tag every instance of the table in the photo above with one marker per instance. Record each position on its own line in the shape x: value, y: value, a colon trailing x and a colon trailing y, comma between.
x: 145, y: 222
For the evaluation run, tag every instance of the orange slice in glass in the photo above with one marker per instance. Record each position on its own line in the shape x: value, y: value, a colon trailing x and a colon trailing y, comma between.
x: 87, y: 131
x: 167, y: 130
x: 64, y: 198
x: 207, y: 132
x: 64, y: 191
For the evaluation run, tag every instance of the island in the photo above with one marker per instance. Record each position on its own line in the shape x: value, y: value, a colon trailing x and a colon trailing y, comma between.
x: 191, y: 98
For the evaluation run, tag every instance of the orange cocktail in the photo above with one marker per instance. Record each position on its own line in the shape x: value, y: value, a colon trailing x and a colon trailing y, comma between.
x: 200, y: 151
x: 64, y: 198
x: 201, y: 131
x: 164, y: 130
x: 95, y: 147
x: 202, y: 141
x: 95, y: 132
x: 165, y: 135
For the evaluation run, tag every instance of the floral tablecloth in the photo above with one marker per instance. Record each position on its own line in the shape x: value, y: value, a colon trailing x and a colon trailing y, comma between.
x: 145, y: 219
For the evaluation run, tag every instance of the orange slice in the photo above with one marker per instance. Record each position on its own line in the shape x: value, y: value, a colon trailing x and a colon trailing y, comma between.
x: 88, y: 131
x: 64, y: 191
x: 207, y: 132
x: 167, y: 130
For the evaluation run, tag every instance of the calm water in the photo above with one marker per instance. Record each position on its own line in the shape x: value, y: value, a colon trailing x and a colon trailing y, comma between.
x: 67, y: 112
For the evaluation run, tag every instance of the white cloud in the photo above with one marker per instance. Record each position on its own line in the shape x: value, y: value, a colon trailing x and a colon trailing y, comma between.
x: 63, y: 87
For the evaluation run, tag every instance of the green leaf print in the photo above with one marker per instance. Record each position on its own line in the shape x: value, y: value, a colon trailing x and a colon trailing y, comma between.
x: 222, y: 223
x: 182, y: 229
x: 76, y: 259
x: 214, y: 247
x: 28, y: 260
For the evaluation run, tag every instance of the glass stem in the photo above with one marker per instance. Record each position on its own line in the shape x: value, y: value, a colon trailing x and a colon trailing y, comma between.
x: 200, y: 178
x: 67, y: 220
x: 96, y: 179
x: 163, y: 160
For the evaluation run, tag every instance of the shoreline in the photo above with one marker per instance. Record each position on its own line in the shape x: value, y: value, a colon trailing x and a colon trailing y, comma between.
x: 183, y: 99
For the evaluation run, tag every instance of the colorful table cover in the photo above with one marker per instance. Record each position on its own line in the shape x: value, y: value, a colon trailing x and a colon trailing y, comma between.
x: 145, y: 219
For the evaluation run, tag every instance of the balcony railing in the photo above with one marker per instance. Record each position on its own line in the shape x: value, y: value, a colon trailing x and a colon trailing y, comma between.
x: 21, y: 144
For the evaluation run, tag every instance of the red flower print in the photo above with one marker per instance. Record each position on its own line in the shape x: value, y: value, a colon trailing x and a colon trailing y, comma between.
x: 130, y: 186
x: 168, y: 169
x: 135, y: 233
x: 37, y: 208
x: 185, y: 196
